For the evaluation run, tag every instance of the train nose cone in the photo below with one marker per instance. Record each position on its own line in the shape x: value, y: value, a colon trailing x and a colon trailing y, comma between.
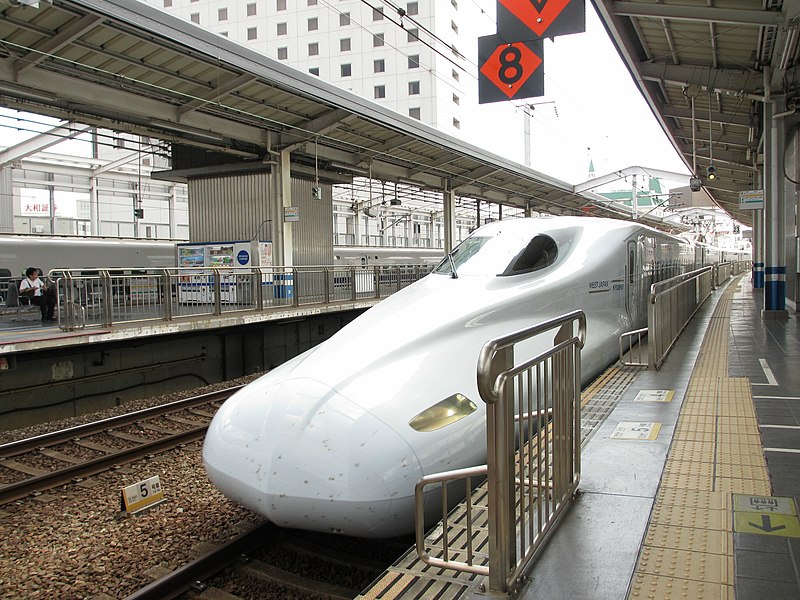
x: 305, y: 456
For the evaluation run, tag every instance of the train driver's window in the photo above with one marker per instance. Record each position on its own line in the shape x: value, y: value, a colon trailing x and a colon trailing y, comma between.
x: 540, y: 252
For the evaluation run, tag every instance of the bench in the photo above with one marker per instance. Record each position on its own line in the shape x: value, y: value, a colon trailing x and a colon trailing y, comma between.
x: 15, y: 301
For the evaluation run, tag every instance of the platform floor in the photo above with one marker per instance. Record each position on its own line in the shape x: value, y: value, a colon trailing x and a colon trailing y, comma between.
x: 704, y: 506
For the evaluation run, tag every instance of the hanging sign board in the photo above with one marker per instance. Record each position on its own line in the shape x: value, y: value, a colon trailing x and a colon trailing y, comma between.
x: 751, y: 200
x: 509, y: 71
x: 538, y: 19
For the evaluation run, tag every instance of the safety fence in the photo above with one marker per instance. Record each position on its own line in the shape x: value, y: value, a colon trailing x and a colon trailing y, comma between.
x: 103, y: 298
x: 533, y: 458
x: 671, y: 305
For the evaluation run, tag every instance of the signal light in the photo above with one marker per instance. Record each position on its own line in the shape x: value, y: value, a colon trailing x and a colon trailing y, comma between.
x: 711, y: 172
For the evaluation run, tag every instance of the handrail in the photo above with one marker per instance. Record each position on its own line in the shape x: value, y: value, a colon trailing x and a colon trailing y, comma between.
x: 485, y: 387
x: 530, y: 484
x: 671, y: 305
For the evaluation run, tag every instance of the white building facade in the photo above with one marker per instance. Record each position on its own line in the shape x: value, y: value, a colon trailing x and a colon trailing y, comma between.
x: 417, y: 58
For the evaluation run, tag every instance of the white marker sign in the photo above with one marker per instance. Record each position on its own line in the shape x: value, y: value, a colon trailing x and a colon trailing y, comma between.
x: 142, y: 494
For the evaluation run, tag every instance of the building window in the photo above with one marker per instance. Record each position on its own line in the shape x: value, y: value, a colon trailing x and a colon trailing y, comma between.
x: 412, y: 8
x: 453, y: 26
x: 346, y: 70
x: 377, y: 40
x: 167, y: 3
x: 414, y: 112
x: 313, y: 49
x: 223, y: 33
x: 413, y: 61
x: 313, y: 24
x: 252, y: 33
x: 222, y: 14
x: 377, y: 14
x: 251, y: 10
x: 454, y: 3
x: 412, y: 35
x: 380, y: 91
x: 455, y: 51
x: 314, y: 70
x: 413, y: 88
x: 280, y: 4
x: 344, y: 44
x: 195, y: 17
x: 455, y: 74
x: 282, y: 29
x: 283, y: 53
x: 456, y: 123
x: 344, y: 19
x: 378, y: 66
x: 311, y: 3
x: 456, y: 99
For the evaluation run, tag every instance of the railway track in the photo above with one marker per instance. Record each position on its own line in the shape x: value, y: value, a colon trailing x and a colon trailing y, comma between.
x: 270, y: 562
x: 33, y: 465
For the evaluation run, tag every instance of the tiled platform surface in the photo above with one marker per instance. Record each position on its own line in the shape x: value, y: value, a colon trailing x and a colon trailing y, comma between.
x: 656, y: 517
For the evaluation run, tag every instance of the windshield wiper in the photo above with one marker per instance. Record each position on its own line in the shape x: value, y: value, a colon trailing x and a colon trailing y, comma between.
x: 452, y: 265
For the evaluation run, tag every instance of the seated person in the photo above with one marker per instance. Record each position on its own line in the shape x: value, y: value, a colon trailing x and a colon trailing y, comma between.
x: 39, y: 293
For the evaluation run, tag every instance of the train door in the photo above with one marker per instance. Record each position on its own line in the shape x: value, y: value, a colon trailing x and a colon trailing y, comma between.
x: 635, y: 294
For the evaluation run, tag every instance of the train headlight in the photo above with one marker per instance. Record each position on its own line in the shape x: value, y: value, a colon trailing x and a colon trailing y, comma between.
x: 441, y: 414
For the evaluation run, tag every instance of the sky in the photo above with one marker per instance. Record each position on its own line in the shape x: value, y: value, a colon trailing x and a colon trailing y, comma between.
x: 591, y: 110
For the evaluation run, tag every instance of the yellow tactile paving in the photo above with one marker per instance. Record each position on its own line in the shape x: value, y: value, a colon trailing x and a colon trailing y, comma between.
x: 716, y: 450
x: 699, y: 566
x: 694, y: 539
x: 682, y: 516
x: 647, y: 587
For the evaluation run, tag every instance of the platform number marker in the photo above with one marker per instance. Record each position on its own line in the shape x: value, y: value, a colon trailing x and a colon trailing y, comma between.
x: 141, y: 495
x: 634, y: 430
x: 654, y: 396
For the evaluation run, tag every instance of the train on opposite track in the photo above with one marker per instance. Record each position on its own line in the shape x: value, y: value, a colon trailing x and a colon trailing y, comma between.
x: 18, y: 252
x: 335, y: 439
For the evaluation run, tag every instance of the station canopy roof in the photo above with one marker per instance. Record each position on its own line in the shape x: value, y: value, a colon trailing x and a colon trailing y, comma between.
x: 127, y: 66
x: 704, y: 67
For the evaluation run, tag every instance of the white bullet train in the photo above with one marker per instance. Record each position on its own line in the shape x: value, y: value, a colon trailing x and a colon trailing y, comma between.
x: 335, y: 439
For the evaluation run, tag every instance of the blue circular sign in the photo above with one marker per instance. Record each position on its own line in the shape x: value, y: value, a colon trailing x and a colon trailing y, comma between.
x: 243, y: 257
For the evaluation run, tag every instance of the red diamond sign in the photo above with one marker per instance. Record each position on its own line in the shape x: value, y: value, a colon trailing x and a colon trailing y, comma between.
x: 536, y: 19
x: 509, y: 71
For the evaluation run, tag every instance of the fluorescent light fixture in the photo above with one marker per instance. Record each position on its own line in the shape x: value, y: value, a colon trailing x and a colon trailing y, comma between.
x: 178, y: 128
x: 26, y: 93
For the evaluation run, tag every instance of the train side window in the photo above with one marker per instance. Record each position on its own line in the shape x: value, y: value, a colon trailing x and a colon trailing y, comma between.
x: 540, y: 252
x: 631, y: 264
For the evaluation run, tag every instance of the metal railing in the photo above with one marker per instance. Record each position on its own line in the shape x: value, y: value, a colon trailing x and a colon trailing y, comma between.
x: 671, y: 305
x: 533, y: 454
x: 105, y: 297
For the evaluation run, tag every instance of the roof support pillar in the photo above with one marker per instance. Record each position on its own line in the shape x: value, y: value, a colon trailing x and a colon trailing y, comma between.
x: 449, y: 201
x: 6, y: 201
x: 774, y: 230
x: 282, y: 248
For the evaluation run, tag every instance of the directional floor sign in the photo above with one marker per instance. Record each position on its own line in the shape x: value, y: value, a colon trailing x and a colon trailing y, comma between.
x: 765, y: 515
x: 509, y: 71
x: 536, y: 19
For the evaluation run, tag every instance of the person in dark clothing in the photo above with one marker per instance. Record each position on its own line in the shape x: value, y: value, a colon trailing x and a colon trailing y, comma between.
x: 39, y: 293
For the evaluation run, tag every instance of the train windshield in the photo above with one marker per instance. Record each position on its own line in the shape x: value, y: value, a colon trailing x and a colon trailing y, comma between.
x: 501, y: 254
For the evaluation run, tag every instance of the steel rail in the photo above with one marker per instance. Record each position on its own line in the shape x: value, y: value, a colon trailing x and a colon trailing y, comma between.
x: 21, y: 489
x: 56, y: 437
x: 180, y: 580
